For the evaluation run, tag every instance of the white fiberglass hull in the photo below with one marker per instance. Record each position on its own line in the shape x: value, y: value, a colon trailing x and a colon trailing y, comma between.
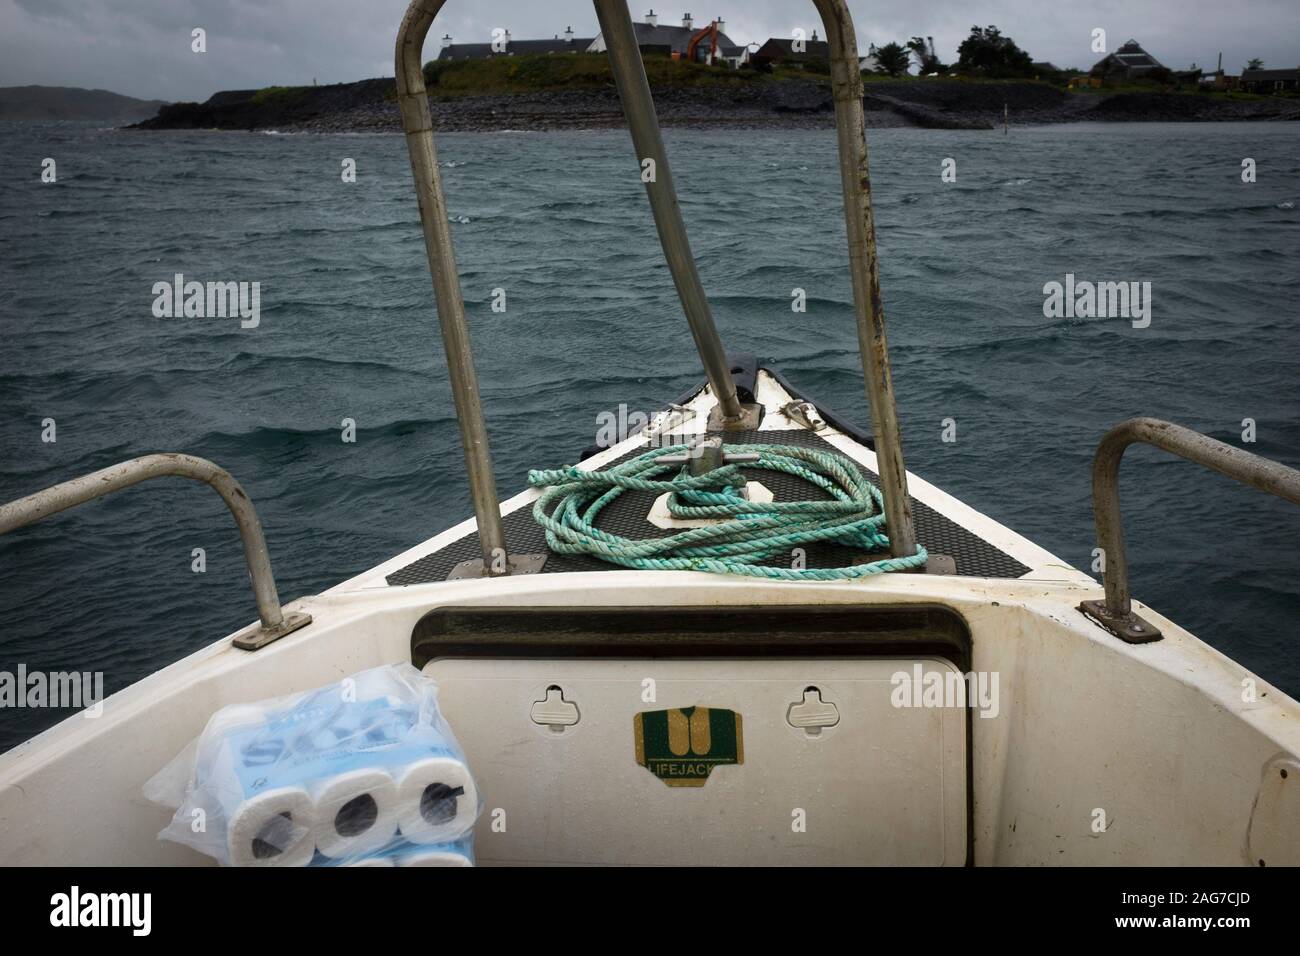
x: 1100, y: 752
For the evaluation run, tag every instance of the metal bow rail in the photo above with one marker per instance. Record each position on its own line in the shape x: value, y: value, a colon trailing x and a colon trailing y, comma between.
x: 638, y: 107
x: 274, y: 623
x: 1115, y: 613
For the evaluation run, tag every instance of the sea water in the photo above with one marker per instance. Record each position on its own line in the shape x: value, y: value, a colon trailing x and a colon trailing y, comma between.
x: 334, y: 412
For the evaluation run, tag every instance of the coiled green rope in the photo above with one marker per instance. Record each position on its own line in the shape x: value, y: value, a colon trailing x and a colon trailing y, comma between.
x: 854, y: 516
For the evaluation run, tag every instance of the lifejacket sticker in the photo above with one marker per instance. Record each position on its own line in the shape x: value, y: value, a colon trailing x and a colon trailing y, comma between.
x: 682, y: 746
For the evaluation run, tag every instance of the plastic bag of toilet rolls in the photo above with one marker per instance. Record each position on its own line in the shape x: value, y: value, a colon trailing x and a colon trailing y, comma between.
x: 362, y: 772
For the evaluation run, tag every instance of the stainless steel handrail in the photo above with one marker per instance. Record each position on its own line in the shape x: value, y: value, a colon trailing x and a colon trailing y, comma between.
x: 851, y: 130
x: 413, y: 102
x: 625, y: 62
x: 1116, y: 614
x: 274, y: 623
x: 634, y: 92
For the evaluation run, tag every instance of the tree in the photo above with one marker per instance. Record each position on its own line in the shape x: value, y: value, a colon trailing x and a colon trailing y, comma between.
x: 1255, y: 64
x: 893, y: 59
x: 926, y: 61
x: 986, y: 52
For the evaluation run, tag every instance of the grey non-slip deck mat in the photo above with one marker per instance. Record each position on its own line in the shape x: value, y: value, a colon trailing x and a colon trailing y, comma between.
x: 626, y: 516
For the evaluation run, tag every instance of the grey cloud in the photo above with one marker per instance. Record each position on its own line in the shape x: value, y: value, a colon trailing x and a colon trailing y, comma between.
x: 142, y: 47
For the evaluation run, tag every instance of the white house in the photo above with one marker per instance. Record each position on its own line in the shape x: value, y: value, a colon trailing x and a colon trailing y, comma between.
x: 869, y: 63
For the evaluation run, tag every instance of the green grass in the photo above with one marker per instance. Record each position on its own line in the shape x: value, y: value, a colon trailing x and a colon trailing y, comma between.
x: 573, y: 71
x: 869, y: 78
x: 532, y: 73
x: 279, y: 94
x: 1112, y: 87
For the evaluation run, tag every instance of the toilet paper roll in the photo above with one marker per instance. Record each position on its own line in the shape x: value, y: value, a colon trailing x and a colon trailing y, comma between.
x: 437, y: 800
x: 235, y: 717
x: 356, y: 813
x: 273, y: 828
x: 435, y: 857
x: 380, y: 684
x: 214, y: 757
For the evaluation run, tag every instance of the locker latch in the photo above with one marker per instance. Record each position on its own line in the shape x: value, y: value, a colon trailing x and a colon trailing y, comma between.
x: 554, y: 711
x: 813, y: 713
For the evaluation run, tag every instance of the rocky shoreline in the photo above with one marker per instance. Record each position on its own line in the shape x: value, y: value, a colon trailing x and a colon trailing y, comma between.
x: 369, y: 106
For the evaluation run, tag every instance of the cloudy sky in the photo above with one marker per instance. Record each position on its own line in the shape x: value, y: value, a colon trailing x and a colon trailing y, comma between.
x: 142, y: 47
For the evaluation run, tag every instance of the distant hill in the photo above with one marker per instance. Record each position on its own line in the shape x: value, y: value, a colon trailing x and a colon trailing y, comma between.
x: 72, y: 103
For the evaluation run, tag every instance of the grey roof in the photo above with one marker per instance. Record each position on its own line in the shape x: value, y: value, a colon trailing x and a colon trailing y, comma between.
x: 1250, y: 76
x: 817, y: 49
x: 480, y: 51
x: 1130, y: 57
x: 557, y: 45
x: 676, y: 37
x: 465, y: 51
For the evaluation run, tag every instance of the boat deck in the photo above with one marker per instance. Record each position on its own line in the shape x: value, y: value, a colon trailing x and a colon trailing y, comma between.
x: 972, y: 555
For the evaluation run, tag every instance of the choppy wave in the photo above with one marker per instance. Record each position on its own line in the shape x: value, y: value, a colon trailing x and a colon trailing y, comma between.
x: 349, y: 331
